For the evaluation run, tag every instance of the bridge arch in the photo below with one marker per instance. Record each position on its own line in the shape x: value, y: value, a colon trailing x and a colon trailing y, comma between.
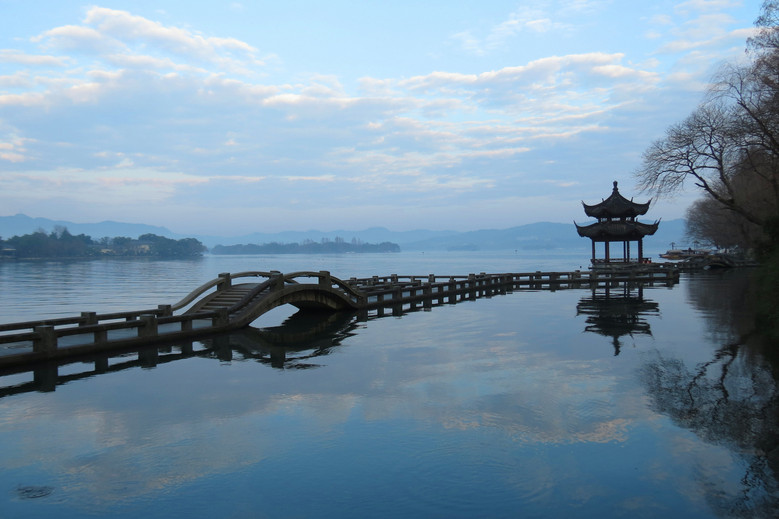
x: 305, y: 296
x: 245, y: 302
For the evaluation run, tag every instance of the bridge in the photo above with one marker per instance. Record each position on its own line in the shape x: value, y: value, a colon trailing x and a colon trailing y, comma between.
x: 234, y: 301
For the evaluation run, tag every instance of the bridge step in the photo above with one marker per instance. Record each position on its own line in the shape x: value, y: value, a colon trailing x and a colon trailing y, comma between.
x: 229, y: 297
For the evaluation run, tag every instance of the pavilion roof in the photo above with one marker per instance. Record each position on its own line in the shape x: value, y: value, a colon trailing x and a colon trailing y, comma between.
x: 616, y: 206
x: 617, y: 230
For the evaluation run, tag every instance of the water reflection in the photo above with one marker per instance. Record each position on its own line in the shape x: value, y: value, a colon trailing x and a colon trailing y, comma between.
x: 477, y: 410
x: 731, y: 398
x: 294, y: 344
x: 616, y: 312
x: 302, y: 337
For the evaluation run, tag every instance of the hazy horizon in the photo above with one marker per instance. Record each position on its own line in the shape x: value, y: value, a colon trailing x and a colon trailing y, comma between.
x: 584, y: 219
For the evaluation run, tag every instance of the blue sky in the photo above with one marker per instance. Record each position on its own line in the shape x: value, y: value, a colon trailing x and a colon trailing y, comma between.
x: 227, y: 118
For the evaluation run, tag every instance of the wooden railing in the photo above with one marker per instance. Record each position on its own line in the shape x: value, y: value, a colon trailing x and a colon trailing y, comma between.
x: 90, y: 332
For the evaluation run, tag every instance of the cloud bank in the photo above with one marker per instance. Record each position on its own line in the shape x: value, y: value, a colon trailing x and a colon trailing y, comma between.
x: 116, y: 115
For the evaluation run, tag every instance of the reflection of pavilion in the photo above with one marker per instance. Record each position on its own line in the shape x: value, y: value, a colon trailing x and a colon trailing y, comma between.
x: 617, y: 312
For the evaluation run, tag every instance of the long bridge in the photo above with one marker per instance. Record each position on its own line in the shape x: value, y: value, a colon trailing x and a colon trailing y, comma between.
x: 224, y: 304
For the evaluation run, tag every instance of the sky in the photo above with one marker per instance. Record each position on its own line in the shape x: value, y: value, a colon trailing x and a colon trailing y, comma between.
x: 228, y: 118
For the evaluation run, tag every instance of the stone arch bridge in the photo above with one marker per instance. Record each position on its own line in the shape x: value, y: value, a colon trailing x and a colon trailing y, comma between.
x: 233, y: 301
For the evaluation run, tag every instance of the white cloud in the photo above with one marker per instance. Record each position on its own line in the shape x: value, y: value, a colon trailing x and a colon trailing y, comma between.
x: 311, y: 178
x: 11, y: 56
x: 129, y: 105
x: 125, y: 26
x: 706, y: 5
x: 534, y: 18
x: 78, y: 38
x: 111, y: 32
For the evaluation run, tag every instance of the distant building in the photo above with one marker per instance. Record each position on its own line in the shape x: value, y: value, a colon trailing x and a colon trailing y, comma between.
x: 617, y: 223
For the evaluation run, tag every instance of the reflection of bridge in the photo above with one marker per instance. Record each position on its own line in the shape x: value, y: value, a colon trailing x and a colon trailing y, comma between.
x: 296, y: 344
x: 222, y: 305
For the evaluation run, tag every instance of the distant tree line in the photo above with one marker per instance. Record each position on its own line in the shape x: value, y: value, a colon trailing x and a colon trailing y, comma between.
x: 60, y: 243
x: 339, y: 245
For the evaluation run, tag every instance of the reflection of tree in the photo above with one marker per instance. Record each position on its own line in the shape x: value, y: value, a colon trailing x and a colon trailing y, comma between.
x: 730, y: 400
x: 617, y: 312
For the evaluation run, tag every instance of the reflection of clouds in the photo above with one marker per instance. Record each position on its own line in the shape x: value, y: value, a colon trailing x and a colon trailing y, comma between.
x: 445, y: 383
x: 123, y: 454
x: 476, y: 385
x: 195, y: 419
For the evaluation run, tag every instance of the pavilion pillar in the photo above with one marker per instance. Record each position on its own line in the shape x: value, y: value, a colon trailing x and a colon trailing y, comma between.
x: 608, y: 258
x: 593, y: 251
x: 640, y: 250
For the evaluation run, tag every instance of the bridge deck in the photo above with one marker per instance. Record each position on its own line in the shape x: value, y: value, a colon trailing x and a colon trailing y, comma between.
x: 220, y: 305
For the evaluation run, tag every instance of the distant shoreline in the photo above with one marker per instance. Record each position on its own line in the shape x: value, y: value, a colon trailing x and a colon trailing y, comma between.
x: 310, y: 247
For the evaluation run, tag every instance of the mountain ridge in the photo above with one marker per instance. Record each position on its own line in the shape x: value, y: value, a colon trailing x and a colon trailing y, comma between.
x: 533, y: 236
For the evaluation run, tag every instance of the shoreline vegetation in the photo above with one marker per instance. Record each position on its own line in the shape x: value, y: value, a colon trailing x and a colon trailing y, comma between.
x: 61, y: 244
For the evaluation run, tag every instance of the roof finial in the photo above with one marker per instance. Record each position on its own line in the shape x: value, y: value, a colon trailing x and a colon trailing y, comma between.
x: 615, y: 186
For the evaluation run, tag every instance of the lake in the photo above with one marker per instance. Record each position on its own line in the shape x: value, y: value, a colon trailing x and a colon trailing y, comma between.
x: 572, y: 403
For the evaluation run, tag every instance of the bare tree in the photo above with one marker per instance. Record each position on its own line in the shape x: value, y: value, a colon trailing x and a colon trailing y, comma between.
x: 767, y: 36
x: 705, y: 148
x: 729, y: 146
x: 711, y: 223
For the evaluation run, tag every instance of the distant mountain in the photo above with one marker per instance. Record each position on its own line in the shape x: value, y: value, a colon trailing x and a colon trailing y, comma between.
x: 21, y: 224
x: 534, y: 236
x: 538, y: 236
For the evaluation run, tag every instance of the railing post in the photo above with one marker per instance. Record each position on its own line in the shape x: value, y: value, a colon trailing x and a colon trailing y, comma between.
x: 554, y: 281
x: 148, y: 326
x: 45, y: 377
x: 397, y: 301
x: 46, y: 341
x: 100, y: 336
x: 452, y: 290
x: 225, y: 281
x: 276, y: 280
x: 148, y: 357
x: 325, y: 279
x: 222, y: 317
x: 165, y: 310
x: 88, y: 318
x: 186, y: 325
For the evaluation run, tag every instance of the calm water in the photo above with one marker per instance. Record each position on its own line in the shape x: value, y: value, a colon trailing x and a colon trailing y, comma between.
x: 653, y: 403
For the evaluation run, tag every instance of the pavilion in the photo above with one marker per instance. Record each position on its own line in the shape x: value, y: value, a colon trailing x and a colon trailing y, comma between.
x: 617, y: 223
